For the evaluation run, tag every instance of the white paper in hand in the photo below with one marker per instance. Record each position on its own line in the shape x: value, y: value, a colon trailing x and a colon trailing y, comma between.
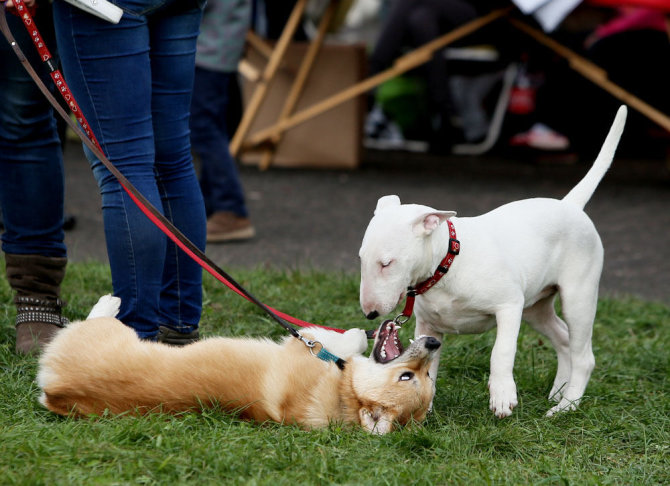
x: 100, y: 8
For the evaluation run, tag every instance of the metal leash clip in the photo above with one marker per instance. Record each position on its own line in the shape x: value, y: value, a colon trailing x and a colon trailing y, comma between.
x: 309, y: 343
x: 323, y: 353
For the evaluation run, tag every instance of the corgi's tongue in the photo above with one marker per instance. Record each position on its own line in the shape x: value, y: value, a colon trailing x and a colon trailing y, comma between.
x: 387, y: 345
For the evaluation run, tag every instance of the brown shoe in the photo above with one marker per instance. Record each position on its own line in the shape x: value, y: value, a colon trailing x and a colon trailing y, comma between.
x: 32, y: 337
x: 227, y: 226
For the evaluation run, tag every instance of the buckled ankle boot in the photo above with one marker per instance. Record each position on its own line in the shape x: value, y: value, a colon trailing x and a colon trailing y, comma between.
x: 36, y: 280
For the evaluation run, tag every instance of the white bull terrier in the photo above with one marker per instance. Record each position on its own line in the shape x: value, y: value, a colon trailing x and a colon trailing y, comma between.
x: 513, y: 261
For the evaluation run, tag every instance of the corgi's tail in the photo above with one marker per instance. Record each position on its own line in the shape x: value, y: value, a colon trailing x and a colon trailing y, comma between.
x: 582, y: 192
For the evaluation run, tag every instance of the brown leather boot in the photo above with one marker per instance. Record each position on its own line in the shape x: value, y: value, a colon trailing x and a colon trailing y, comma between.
x: 36, y: 280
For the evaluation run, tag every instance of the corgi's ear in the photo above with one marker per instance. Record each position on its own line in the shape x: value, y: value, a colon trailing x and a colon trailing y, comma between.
x: 426, y: 223
x: 376, y: 421
x: 386, y: 202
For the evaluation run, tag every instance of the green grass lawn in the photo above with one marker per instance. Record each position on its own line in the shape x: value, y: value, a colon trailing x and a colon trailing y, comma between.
x: 619, y: 435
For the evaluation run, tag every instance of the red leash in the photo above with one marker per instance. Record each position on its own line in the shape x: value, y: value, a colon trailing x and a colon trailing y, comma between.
x: 142, y: 203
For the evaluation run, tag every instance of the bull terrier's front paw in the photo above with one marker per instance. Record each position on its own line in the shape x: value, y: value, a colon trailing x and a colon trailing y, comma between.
x: 503, y: 397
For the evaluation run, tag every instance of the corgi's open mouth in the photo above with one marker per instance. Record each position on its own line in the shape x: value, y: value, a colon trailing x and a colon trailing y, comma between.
x: 387, y: 345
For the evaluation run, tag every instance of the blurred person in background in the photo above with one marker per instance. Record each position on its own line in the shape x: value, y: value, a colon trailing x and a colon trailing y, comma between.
x: 220, y: 45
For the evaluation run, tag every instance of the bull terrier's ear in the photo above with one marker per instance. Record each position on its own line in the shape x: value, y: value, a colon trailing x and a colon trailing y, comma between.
x: 427, y: 223
x: 387, y: 202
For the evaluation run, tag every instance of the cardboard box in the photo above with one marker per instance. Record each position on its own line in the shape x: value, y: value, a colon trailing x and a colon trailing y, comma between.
x: 329, y: 140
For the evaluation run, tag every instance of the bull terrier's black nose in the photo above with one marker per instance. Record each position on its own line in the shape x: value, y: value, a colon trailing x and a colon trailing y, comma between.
x: 432, y: 343
x: 373, y: 315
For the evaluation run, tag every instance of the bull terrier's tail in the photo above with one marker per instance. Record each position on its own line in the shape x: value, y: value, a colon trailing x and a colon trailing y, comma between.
x: 582, y: 192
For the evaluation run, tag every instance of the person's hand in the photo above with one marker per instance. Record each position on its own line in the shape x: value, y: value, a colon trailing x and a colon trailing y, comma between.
x: 10, y: 3
x: 11, y: 6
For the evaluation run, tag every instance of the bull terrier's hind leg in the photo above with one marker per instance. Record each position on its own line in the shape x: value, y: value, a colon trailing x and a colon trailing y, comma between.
x: 542, y: 317
x: 579, y: 309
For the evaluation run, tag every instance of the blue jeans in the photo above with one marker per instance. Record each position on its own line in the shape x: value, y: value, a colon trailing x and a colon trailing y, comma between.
x: 133, y: 82
x: 31, y: 160
x: 219, y: 180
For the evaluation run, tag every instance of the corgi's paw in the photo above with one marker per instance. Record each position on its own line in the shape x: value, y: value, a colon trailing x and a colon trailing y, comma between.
x: 356, y: 341
x: 107, y: 306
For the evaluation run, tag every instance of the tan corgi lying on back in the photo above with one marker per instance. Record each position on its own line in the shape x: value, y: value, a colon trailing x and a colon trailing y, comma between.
x: 100, y: 364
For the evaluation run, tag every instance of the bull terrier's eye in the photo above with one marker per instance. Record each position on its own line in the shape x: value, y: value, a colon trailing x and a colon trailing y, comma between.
x: 406, y: 376
x: 385, y: 263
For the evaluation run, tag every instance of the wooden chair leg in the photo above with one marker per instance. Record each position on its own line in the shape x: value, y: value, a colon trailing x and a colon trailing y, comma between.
x: 403, y: 64
x: 270, y: 70
x: 258, y: 43
x: 300, y: 80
